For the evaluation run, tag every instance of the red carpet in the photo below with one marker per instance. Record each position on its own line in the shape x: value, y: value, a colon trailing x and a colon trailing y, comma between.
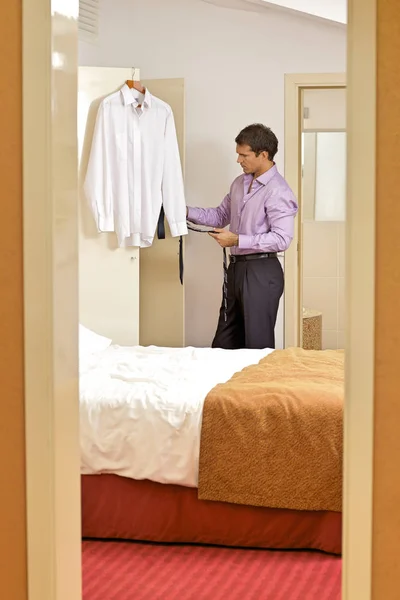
x: 124, y: 571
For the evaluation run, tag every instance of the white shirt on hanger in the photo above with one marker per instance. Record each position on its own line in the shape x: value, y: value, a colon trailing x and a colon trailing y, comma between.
x: 134, y: 167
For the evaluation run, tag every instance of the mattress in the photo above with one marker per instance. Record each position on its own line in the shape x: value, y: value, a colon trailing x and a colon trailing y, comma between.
x: 141, y: 408
x: 120, y: 508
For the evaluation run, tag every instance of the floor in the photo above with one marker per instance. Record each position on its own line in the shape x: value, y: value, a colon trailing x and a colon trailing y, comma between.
x: 134, y: 571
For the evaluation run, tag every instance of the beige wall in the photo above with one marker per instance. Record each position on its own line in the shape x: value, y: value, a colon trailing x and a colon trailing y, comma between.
x: 386, y: 530
x: 326, y: 109
x: 13, y: 582
x: 324, y: 277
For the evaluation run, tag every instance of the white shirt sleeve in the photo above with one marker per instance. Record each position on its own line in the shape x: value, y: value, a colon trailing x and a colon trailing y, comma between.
x: 172, y: 183
x: 97, y: 184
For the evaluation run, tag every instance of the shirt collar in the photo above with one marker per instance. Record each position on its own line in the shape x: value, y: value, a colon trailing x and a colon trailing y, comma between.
x: 267, y: 176
x: 131, y: 96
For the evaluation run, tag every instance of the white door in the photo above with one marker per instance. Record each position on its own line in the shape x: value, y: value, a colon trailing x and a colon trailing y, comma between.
x: 108, y: 275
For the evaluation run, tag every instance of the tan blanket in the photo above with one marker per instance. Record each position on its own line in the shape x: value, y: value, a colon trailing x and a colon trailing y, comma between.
x: 272, y: 435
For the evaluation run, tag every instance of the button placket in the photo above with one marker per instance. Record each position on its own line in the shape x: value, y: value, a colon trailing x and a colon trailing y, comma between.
x: 137, y: 163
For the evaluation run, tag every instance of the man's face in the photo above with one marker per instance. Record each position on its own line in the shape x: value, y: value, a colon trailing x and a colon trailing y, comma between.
x: 248, y: 160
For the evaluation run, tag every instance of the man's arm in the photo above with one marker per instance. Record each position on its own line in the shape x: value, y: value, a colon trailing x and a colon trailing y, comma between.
x: 281, y: 216
x: 211, y: 217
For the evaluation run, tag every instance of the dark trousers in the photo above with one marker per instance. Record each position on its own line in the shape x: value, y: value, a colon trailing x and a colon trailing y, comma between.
x: 254, y: 289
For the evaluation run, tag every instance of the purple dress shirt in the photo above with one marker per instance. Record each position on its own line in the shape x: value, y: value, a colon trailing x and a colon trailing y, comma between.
x: 262, y: 217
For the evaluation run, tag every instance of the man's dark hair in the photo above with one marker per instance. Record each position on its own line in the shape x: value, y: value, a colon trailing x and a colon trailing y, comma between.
x: 260, y: 139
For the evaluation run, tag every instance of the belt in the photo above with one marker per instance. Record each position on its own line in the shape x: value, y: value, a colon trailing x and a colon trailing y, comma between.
x: 161, y: 236
x: 243, y: 257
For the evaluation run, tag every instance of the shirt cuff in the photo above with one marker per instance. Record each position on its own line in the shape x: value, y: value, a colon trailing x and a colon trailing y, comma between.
x: 191, y: 214
x: 105, y: 224
x: 178, y: 229
x: 245, y: 241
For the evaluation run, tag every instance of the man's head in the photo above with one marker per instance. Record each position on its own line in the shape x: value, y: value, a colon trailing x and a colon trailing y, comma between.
x: 256, y: 146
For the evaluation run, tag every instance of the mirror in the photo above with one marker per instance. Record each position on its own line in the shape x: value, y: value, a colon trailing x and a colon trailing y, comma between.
x: 324, y: 175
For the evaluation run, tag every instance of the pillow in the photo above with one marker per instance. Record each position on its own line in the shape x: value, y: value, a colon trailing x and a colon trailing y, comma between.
x: 91, y: 342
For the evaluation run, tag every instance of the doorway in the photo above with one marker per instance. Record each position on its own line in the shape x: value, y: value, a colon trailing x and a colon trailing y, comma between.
x: 49, y: 553
x: 307, y: 113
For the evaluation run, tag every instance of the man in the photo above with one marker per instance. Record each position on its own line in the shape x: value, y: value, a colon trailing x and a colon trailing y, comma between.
x: 260, y: 209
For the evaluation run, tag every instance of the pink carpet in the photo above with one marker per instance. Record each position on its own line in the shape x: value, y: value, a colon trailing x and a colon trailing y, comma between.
x: 134, y: 571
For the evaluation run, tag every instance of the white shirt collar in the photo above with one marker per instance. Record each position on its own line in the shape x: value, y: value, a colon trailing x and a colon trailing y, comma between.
x: 131, y: 96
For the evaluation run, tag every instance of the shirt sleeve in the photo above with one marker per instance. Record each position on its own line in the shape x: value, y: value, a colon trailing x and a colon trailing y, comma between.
x: 172, y: 183
x: 281, y: 215
x: 212, y: 217
x: 97, y: 180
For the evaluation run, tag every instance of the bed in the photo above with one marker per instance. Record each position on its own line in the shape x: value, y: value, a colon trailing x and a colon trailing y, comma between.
x: 141, y: 419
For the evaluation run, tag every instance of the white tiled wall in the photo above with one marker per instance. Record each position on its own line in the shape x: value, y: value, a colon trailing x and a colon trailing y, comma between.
x: 324, y: 277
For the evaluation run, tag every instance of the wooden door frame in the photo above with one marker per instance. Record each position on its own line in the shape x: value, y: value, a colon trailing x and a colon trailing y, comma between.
x: 360, y: 282
x: 360, y: 300
x: 52, y: 444
x: 50, y: 193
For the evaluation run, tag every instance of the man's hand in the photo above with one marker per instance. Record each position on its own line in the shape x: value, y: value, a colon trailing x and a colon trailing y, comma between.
x: 226, y: 239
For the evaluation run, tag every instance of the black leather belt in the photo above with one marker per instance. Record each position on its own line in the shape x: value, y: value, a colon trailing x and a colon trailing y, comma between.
x: 161, y: 236
x: 242, y: 257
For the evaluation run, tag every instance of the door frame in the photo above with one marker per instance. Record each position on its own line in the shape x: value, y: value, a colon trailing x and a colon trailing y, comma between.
x: 295, y: 83
x: 54, y: 548
x: 360, y: 281
x: 360, y: 300
x: 50, y: 264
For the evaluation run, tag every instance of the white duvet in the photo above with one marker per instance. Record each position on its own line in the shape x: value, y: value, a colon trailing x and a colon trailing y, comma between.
x: 141, y: 408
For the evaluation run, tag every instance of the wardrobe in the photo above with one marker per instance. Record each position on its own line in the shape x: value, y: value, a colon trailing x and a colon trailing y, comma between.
x: 131, y: 295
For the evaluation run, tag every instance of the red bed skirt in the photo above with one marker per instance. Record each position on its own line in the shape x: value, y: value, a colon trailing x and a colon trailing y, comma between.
x: 115, y: 507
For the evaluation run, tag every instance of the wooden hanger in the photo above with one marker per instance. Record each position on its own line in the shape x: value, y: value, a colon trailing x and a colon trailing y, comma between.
x: 135, y: 85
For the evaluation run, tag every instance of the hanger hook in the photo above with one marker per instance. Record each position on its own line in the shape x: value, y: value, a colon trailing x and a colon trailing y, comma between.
x: 133, y: 73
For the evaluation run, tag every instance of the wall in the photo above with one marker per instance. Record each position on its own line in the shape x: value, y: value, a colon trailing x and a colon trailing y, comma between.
x: 13, y: 575
x: 386, y: 498
x: 324, y: 277
x: 326, y: 109
x: 233, y: 63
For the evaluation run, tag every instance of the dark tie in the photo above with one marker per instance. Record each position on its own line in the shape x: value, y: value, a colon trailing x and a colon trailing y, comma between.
x: 161, y: 236
x: 225, y: 286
